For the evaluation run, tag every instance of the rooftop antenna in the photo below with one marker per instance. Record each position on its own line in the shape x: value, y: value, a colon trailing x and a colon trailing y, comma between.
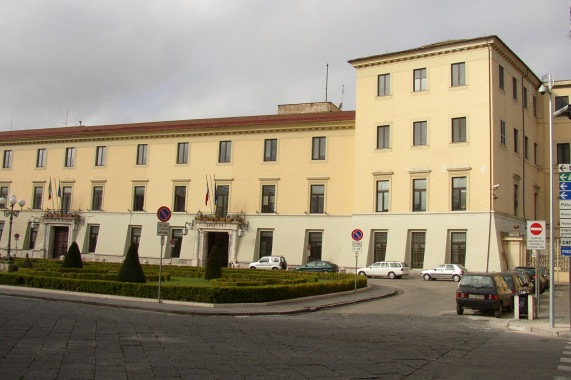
x: 66, y: 116
x: 326, y: 80
x: 342, y: 94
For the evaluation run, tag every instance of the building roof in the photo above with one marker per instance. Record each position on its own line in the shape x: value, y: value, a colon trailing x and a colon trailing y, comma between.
x: 177, y: 125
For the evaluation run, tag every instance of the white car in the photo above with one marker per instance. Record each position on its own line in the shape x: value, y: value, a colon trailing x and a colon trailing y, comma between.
x: 270, y: 262
x: 445, y: 272
x: 390, y: 269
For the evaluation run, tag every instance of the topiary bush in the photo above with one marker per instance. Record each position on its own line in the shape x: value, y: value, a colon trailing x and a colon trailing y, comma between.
x: 27, y: 262
x: 131, y: 270
x: 213, y: 264
x: 73, y: 257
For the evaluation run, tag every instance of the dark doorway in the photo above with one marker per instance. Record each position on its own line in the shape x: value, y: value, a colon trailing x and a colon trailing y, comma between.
x: 221, y: 240
x: 314, y: 243
x: 60, y: 242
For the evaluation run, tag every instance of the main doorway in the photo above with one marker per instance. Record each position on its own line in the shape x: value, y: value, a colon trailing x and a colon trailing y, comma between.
x: 59, y: 247
x: 220, y: 239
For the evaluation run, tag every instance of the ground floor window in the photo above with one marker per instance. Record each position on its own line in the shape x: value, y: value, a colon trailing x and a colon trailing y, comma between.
x: 314, y: 242
x: 417, y: 244
x: 1, y: 229
x: 176, y: 238
x: 33, y: 236
x: 93, y: 235
x: 266, y: 243
x: 458, y: 248
x: 135, y: 235
x: 380, y: 246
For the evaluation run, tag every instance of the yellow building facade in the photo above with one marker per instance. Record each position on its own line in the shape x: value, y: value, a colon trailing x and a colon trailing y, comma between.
x: 446, y: 152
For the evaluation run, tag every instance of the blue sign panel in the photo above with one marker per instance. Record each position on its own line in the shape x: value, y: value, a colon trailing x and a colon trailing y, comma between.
x: 565, y: 251
x: 565, y: 186
x: 564, y: 194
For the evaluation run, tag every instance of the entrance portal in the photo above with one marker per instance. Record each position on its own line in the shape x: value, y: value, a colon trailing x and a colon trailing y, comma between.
x: 221, y: 240
x: 60, y: 242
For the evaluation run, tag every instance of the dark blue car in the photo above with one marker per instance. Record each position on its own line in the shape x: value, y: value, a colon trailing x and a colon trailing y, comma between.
x: 318, y: 266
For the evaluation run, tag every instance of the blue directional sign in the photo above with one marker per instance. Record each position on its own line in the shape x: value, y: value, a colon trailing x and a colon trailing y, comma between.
x: 565, y: 251
x: 564, y: 186
x: 565, y: 195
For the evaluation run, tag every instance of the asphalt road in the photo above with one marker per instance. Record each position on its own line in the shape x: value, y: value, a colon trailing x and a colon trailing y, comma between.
x: 56, y: 340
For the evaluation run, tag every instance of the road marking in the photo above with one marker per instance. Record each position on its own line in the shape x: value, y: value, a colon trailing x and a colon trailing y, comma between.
x: 564, y: 368
x: 566, y: 360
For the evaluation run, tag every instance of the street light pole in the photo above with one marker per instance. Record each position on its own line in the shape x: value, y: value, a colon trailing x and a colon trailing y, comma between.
x: 11, y: 213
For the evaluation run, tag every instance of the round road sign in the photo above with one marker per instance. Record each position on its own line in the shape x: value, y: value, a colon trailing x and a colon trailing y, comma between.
x: 164, y: 214
x: 536, y: 229
x: 357, y: 234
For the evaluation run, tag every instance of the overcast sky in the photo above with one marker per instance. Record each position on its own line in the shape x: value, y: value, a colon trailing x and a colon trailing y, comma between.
x: 124, y: 61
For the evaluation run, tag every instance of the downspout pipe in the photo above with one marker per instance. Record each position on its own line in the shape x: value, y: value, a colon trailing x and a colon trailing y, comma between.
x: 491, y: 146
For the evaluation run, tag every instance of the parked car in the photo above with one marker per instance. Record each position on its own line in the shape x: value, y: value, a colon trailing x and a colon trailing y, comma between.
x: 270, y: 262
x: 445, y: 272
x: 515, y: 282
x: 390, y: 269
x: 545, y: 276
x: 526, y: 280
x: 484, y: 291
x: 531, y: 272
x: 318, y: 266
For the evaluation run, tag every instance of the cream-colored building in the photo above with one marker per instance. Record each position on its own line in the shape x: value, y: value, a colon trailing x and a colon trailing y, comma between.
x: 446, y: 152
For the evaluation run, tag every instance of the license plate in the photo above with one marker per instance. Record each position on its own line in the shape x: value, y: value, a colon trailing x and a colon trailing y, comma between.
x: 480, y: 296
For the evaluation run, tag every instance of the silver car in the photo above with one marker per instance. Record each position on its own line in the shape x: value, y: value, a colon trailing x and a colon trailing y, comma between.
x: 445, y: 272
x: 390, y: 269
x: 270, y: 262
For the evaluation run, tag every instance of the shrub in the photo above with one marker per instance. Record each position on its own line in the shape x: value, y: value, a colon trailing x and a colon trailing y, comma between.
x: 213, y: 264
x: 27, y: 262
x: 131, y: 270
x: 73, y: 257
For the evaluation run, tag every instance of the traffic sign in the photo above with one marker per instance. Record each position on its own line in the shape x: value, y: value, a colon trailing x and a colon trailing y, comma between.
x: 565, y: 177
x: 164, y: 213
x: 357, y: 234
x: 564, y: 186
x: 564, y: 205
x: 565, y: 251
x: 565, y: 195
x: 565, y: 222
x: 357, y: 245
x: 564, y: 168
x: 566, y: 242
x: 163, y: 228
x: 565, y: 232
x: 536, y: 234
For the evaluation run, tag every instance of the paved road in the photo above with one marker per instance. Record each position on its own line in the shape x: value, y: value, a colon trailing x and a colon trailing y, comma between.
x: 56, y: 340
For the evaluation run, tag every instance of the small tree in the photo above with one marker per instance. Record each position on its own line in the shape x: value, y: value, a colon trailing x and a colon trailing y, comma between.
x: 27, y: 262
x: 72, y: 258
x: 213, y: 264
x: 131, y: 270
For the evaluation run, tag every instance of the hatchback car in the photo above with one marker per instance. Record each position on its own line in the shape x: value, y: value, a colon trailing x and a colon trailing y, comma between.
x: 531, y: 272
x: 270, y: 262
x: 445, y: 272
x: 484, y: 291
x: 515, y: 282
x: 318, y: 266
x: 390, y: 269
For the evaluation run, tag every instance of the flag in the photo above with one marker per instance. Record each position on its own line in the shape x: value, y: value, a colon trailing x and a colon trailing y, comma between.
x: 59, y: 190
x: 207, y: 192
x: 50, y: 189
x: 215, y: 192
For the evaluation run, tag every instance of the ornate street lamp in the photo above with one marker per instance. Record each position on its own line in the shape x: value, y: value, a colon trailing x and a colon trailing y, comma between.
x: 12, y: 200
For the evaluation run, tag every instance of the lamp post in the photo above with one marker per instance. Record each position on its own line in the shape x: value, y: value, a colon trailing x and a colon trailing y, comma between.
x: 11, y: 213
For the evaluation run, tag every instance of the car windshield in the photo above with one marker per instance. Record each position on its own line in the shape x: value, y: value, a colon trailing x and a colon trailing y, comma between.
x: 530, y: 271
x: 510, y: 281
x: 478, y: 281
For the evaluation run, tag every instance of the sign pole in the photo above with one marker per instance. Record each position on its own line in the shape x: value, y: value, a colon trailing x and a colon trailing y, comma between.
x: 356, y: 235
x: 161, y: 265
x: 356, y: 258
x: 163, y: 228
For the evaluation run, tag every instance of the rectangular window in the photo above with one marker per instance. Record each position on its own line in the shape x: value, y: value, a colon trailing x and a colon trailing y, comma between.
x: 33, y: 236
x: 380, y: 248
x: 142, y: 152
x: 317, y: 201
x: 420, y: 80
x: 7, y: 160
x: 535, y: 153
x: 417, y: 246
x: 318, y: 151
x: 179, y: 199
x: 38, y: 193
x: 139, y: 198
x: 560, y: 102
x: 526, y: 147
x: 516, y: 140
x: 458, y: 248
x: 384, y: 85
x: 176, y: 238
x: 3, y: 194
x: 420, y: 133
x: 419, y: 195
x: 41, y: 158
x: 502, y: 132
x: 563, y: 156
x: 182, y: 153
x: 383, y: 137
x: 221, y: 199
x: 66, y: 199
x: 534, y: 104
x: 270, y: 150
x: 382, y: 196
x: 69, y: 157
x: 459, y: 129
x: 135, y: 235
x: 524, y: 97
x: 459, y: 193
x: 314, y: 241
x: 225, y: 151
x: 266, y: 243
x: 516, y: 198
x: 97, y: 198
x: 501, y: 77
x: 268, y: 198
x: 100, y: 155
x: 1, y: 229
x: 514, y: 88
x: 458, y: 74
x: 93, y: 235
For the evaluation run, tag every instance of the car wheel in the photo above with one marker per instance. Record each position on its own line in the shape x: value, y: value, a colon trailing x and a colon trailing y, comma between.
x: 459, y: 310
x: 392, y: 275
x: 252, y: 267
x: 498, y: 311
x: 274, y: 268
x: 426, y: 277
x: 456, y: 278
x: 361, y: 273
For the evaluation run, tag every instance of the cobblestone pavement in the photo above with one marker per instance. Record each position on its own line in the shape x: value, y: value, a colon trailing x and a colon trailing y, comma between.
x: 46, y: 339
